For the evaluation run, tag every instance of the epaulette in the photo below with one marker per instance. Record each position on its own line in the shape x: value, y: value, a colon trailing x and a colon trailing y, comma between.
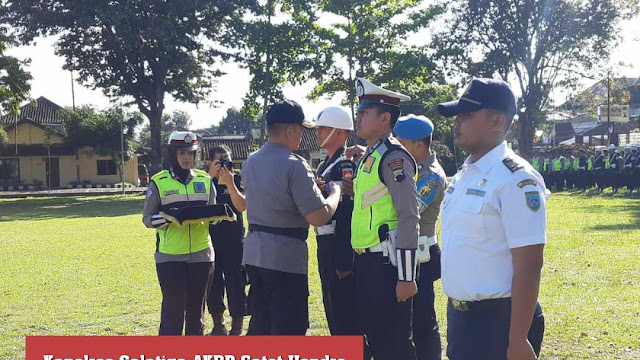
x: 161, y: 175
x: 512, y: 164
x: 200, y: 173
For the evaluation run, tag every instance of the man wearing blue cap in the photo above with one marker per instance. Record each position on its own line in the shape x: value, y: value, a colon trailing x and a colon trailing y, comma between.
x: 384, y: 227
x: 493, y: 234
x: 414, y: 133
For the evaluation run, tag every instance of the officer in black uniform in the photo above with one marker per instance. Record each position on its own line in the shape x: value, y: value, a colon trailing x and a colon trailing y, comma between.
x: 582, y: 180
x: 228, y: 239
x: 600, y: 170
x: 629, y: 160
x: 636, y: 171
x: 335, y: 255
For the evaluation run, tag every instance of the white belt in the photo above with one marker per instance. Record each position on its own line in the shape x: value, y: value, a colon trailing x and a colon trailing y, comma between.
x: 325, y: 230
x: 374, y: 249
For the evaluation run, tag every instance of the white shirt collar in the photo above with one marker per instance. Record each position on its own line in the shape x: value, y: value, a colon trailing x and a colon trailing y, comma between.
x: 485, y: 163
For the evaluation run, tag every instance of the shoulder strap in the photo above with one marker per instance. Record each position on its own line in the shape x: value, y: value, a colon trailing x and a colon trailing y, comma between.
x: 390, y: 145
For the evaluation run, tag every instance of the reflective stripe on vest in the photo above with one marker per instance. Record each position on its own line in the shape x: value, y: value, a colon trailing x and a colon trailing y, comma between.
x: 372, y: 205
x: 173, y: 194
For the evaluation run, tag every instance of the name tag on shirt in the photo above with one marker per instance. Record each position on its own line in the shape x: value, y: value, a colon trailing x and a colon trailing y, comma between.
x: 476, y: 192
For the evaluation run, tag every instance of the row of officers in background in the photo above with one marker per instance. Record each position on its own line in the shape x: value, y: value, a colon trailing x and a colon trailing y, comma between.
x: 374, y: 210
x: 600, y: 167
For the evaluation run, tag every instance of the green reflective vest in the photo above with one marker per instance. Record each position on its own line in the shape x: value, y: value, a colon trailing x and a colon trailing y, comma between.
x: 576, y: 164
x: 607, y: 163
x: 545, y: 165
x: 372, y: 205
x: 590, y: 164
x: 557, y: 165
x: 191, y: 238
x: 535, y: 162
x: 567, y: 163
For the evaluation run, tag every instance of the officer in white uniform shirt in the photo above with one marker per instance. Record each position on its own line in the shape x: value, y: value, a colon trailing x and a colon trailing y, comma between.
x: 493, y: 234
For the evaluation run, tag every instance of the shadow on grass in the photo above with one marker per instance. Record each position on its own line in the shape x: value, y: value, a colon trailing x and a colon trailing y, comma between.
x: 632, y: 208
x: 70, y: 207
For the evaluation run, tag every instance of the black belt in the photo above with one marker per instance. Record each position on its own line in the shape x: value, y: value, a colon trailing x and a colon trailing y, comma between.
x: 481, y: 305
x: 296, y: 233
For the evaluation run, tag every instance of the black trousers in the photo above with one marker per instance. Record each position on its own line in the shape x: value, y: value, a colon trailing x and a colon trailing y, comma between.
x: 426, y: 332
x: 482, y: 333
x: 385, y: 321
x: 278, y: 302
x: 229, y: 274
x: 184, y: 290
x: 338, y: 295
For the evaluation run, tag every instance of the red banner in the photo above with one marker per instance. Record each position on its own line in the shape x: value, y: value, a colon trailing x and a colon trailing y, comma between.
x: 194, y: 348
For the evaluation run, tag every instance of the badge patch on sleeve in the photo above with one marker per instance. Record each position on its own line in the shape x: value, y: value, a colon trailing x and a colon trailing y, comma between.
x: 347, y: 170
x: 526, y: 182
x: 533, y: 200
x: 397, y: 166
x: 199, y: 187
x: 149, y: 193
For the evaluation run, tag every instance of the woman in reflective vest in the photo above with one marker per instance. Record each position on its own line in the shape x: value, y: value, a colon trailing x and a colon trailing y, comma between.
x: 184, y: 255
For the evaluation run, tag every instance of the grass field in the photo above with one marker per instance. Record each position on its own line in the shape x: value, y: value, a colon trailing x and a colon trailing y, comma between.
x: 85, y: 266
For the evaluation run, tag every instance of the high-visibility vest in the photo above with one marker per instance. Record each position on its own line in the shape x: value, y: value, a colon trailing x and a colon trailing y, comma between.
x: 175, y: 239
x: 590, y: 164
x: 576, y: 164
x: 557, y: 165
x: 535, y: 162
x: 607, y: 163
x: 545, y: 165
x: 372, y: 205
x: 567, y: 163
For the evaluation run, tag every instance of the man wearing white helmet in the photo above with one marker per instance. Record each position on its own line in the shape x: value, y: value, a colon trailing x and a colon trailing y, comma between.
x: 335, y: 255
x: 184, y: 255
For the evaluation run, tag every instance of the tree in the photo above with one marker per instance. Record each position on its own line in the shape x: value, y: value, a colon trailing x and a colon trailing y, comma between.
x: 14, y: 81
x: 278, y: 44
x: 142, y: 49
x: 235, y: 123
x: 367, y: 39
x: 542, y: 44
x: 177, y: 120
x: 617, y: 90
x: 101, y: 132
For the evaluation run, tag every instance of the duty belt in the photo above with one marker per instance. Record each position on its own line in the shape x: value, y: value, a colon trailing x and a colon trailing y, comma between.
x: 481, y: 305
x: 296, y: 233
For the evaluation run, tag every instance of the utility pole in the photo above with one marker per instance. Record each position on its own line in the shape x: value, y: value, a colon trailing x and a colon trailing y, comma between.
x: 608, y: 107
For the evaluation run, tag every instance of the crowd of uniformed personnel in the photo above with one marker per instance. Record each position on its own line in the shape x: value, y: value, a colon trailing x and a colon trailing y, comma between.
x: 599, y: 167
x: 374, y: 211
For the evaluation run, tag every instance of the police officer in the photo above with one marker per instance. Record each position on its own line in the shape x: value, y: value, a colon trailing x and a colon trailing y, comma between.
x: 227, y: 238
x: 636, y: 170
x: 614, y: 168
x: 414, y: 133
x: 569, y: 171
x: 282, y: 200
x: 384, y: 226
x: 601, y: 168
x: 184, y: 255
x: 335, y: 255
x: 493, y: 234
x: 629, y: 160
x: 582, y: 180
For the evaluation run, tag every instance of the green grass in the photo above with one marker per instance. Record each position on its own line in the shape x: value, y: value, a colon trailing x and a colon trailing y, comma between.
x: 85, y: 266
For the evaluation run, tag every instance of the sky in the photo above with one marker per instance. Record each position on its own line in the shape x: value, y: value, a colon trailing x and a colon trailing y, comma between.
x: 54, y: 83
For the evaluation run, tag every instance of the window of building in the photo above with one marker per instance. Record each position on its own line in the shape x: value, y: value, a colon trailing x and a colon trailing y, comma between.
x: 107, y: 167
x: 9, y: 171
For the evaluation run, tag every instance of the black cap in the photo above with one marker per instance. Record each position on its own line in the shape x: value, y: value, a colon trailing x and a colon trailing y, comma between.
x: 482, y: 94
x: 287, y: 112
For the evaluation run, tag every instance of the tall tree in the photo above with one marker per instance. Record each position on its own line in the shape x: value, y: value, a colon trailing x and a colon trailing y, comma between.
x: 103, y: 132
x: 235, y: 123
x: 142, y: 49
x: 176, y: 120
x: 278, y: 43
x: 367, y: 37
x: 541, y: 44
x: 14, y: 80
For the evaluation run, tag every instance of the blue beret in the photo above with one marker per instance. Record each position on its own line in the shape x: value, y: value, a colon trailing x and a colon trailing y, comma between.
x: 413, y: 127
